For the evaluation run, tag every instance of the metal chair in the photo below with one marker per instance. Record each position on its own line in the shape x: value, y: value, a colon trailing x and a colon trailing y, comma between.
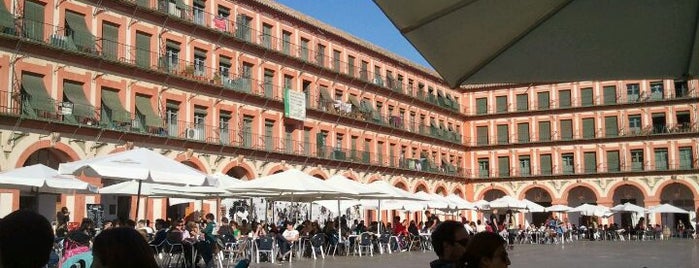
x: 265, y: 245
x: 365, y: 243
x: 384, y: 242
x: 317, y: 242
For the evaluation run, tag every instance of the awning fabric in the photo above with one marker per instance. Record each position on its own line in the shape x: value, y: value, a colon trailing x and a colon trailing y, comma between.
x: 481, y: 42
x: 325, y: 94
x: 39, y: 98
x: 75, y: 94
x: 144, y: 107
x: 111, y: 100
x: 81, y: 35
x: 353, y: 100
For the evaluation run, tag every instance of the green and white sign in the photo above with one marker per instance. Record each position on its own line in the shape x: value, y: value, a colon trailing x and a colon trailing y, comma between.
x: 294, y: 104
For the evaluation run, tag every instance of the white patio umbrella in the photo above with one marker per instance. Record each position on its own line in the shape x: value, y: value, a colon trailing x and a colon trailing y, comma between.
x: 533, y: 207
x: 146, y: 188
x: 558, y: 208
x: 290, y: 185
x: 481, y: 204
x: 591, y: 210
x: 666, y: 208
x: 507, y: 202
x: 477, y: 42
x: 139, y: 164
x: 43, y: 179
x: 628, y: 207
x: 460, y: 203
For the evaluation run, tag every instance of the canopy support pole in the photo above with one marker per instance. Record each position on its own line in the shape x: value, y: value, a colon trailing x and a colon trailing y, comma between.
x: 138, y: 199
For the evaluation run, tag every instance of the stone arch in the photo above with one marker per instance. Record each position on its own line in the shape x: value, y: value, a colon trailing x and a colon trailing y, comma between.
x: 640, y: 187
x: 240, y: 170
x: 63, y: 152
x: 421, y: 186
x: 351, y: 175
x: 543, y: 187
x: 677, y: 193
x: 374, y: 178
x: 537, y: 194
x: 482, y: 193
x: 623, y: 191
x: 580, y: 194
x: 459, y: 193
x: 441, y: 190
x: 192, y: 161
x: 276, y: 169
x: 492, y: 194
x: 400, y: 184
x: 318, y: 173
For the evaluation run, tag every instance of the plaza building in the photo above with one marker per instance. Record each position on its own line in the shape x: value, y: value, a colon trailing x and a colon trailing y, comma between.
x: 251, y: 88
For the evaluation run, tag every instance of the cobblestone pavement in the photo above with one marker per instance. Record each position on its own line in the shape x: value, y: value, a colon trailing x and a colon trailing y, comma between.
x: 650, y: 254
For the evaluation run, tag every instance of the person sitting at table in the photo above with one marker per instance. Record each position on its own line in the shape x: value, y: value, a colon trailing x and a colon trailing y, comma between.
x: 398, y: 228
x: 225, y: 229
x: 360, y: 227
x: 412, y: 228
x: 160, y: 234
x: 287, y: 238
x: 315, y: 228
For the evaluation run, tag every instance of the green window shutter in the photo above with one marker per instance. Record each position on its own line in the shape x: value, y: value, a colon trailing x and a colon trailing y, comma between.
x: 564, y: 98
x: 307, y: 141
x: 543, y: 101
x: 610, y: 95
x: 7, y: 20
x: 544, y: 131
x: 110, y: 39
x: 501, y: 104
x: 110, y: 99
x: 566, y: 129
x: 269, y: 135
x: 81, y: 35
x: 320, y: 144
x: 587, y: 97
x: 143, y: 105
x: 610, y: 126
x: 588, y: 128
x: 661, y: 159
x: 143, y: 55
x: 522, y: 102
x: 481, y: 106
x: 482, y: 135
x: 75, y: 94
x: 686, y: 160
x: 545, y: 166
x: 33, y: 21
x: 503, y: 134
x: 523, y: 132
x: 503, y: 166
x: 38, y: 97
x: 613, y: 161
x: 590, y: 162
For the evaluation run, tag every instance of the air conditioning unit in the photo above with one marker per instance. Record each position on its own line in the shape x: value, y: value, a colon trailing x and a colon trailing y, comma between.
x: 193, y: 133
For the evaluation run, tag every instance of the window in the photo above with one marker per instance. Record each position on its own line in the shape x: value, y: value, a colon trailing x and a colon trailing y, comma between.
x: 307, y: 141
x: 172, y: 56
x: 522, y: 102
x: 568, y: 164
x: 588, y: 128
x: 110, y: 39
x: 586, y: 97
x: 503, y: 134
x: 501, y: 104
x: 321, y: 143
x: 171, y: 117
x: 33, y: 20
x: 633, y: 93
x: 243, y: 28
x: 364, y: 71
x: 566, y: 129
x: 590, y: 162
x: 657, y: 91
x: 350, y: 66
x: 288, y: 82
x: 224, y: 120
x: 320, y: 55
x: 483, y: 168
x: 613, y: 161
x: 269, y: 135
x: 247, y: 131
x: 681, y: 89
x: 544, y: 131
x: 286, y: 42
x: 198, y: 12
x: 199, y: 62
x: 637, y: 160
x: 661, y: 162
x: 611, y: 128
x: 336, y: 60
x: 545, y: 164
x: 564, y: 98
x: 380, y: 146
x: 503, y: 166
x: 523, y: 132
x: 686, y: 158
x: 543, y: 101
x: 269, y: 83
x: 267, y: 35
x: 377, y: 76
x: 609, y: 94
x: 199, y: 131
x: 524, y: 165
x: 659, y: 123
x: 304, y: 49
x: 289, y: 138
x: 223, y: 12
x: 481, y: 105
x: 634, y: 124
x: 247, y: 77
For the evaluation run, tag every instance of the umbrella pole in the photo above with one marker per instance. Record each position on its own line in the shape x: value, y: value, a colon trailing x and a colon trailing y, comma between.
x: 378, y: 226
x: 138, y: 199
x: 310, y: 211
x: 339, y: 221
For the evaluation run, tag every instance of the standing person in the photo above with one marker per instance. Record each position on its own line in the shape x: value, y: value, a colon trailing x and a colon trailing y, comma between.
x: 122, y: 247
x: 26, y: 240
x: 430, y: 221
x: 487, y: 250
x: 494, y: 220
x: 62, y: 219
x: 449, y: 241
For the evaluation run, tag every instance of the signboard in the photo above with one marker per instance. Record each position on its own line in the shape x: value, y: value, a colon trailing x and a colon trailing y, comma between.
x: 95, y: 212
x: 294, y: 104
x: 66, y: 108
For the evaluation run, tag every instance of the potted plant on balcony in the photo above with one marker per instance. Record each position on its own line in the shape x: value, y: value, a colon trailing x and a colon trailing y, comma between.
x: 216, y: 80
x: 189, y: 71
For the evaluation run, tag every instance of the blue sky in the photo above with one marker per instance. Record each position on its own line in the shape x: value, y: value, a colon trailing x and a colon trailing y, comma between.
x: 361, y: 18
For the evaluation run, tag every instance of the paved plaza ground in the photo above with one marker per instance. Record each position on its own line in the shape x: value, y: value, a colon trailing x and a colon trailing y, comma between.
x: 650, y: 254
